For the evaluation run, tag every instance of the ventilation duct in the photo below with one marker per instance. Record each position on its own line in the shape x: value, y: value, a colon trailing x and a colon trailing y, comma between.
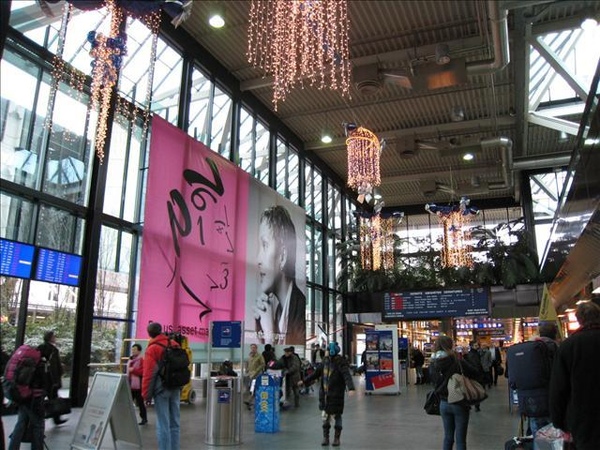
x: 499, y: 25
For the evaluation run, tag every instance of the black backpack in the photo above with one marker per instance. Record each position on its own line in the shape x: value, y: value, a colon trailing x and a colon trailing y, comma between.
x: 174, y: 367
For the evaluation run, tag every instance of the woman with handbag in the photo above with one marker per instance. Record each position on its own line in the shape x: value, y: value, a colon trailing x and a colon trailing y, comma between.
x: 455, y: 416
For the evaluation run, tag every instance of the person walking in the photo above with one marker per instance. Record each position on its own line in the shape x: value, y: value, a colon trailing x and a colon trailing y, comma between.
x: 474, y: 358
x: 291, y: 364
x: 419, y: 360
x: 268, y: 355
x: 486, y: 363
x: 496, y: 363
x: 455, y: 416
x: 574, y: 393
x: 335, y: 376
x: 135, y: 371
x: 530, y: 375
x: 255, y: 365
x: 52, y: 355
x: 166, y: 401
x: 31, y: 412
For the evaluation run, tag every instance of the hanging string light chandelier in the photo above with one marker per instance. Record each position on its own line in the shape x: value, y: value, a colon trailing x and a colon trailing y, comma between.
x: 107, y: 51
x: 363, y: 160
x: 296, y: 40
x: 455, y: 250
x: 377, y: 242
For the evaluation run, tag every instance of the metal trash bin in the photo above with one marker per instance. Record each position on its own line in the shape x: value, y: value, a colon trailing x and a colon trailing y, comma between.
x: 223, y: 411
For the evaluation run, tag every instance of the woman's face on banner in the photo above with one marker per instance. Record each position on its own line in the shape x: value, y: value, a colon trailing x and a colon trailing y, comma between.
x: 269, y: 261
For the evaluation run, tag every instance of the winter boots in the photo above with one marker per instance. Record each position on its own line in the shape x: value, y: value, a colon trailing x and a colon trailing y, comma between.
x: 325, y: 435
x: 336, y: 437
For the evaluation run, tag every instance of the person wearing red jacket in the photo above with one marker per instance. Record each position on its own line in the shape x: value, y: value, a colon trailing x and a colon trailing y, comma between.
x: 166, y: 401
x: 135, y: 371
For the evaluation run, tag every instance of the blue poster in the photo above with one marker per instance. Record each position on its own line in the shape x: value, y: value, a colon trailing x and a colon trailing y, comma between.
x: 227, y: 334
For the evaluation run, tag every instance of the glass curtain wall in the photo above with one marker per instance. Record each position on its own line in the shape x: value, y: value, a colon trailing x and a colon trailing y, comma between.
x: 53, y: 185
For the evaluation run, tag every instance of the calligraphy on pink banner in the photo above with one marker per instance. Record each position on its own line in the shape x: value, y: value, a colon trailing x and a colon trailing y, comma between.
x: 193, y: 268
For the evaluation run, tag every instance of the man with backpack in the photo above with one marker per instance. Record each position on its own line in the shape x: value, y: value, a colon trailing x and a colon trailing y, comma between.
x: 162, y: 381
x: 52, y: 356
x: 25, y: 383
x: 529, y: 366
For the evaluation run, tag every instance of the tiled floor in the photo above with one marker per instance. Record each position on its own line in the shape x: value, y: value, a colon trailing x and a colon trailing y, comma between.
x: 370, y: 422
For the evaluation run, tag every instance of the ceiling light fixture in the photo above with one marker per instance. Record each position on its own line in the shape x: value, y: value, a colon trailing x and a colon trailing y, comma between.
x: 363, y: 160
x: 468, y: 157
x: 442, y: 54
x: 326, y: 138
x: 216, y: 19
x: 455, y: 251
x: 297, y: 40
x: 376, y: 235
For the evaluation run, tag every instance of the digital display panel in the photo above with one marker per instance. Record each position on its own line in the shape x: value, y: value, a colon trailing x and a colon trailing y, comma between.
x: 16, y: 258
x: 57, y: 267
x: 438, y: 303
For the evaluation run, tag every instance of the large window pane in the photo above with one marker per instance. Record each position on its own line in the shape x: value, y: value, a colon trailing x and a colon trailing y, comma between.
x: 262, y: 153
x: 124, y: 179
x: 22, y: 129
x: 318, y: 195
x: 246, y: 147
x: 70, y: 152
x: 16, y: 218
x: 112, y: 280
x: 220, y: 134
x: 59, y: 230
x: 198, y: 125
x: 308, y: 190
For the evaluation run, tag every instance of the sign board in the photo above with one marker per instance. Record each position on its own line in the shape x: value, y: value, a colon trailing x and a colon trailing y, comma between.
x: 382, y: 368
x: 227, y: 334
x: 108, y: 402
x: 434, y: 304
x: 16, y: 258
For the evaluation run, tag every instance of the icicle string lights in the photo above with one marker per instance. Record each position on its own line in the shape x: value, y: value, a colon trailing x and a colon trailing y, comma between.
x: 455, y: 251
x: 296, y: 40
x: 377, y: 242
x: 107, y: 53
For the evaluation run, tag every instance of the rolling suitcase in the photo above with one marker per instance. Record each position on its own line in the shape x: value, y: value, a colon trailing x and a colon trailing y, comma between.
x: 520, y: 442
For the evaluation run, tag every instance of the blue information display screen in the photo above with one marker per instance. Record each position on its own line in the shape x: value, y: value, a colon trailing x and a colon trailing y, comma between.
x: 57, y: 267
x: 438, y: 303
x: 16, y: 258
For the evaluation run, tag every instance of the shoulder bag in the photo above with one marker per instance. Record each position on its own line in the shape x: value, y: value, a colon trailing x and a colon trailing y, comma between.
x: 432, y: 403
x: 464, y: 388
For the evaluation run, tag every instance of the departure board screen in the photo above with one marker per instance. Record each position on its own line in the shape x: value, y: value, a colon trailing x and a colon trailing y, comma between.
x: 57, y: 267
x: 16, y: 258
x: 437, y: 303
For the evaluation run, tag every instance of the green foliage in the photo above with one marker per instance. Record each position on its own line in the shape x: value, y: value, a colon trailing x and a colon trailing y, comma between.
x: 506, y: 265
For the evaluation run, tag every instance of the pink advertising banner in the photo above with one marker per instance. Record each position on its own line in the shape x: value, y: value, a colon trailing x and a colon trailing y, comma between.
x: 193, y: 268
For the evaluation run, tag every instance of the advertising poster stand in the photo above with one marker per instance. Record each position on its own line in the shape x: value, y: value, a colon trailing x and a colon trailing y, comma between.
x: 382, y: 373
x: 108, y: 402
x: 266, y: 403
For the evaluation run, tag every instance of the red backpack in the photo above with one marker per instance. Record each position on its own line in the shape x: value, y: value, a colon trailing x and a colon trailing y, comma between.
x: 20, y: 372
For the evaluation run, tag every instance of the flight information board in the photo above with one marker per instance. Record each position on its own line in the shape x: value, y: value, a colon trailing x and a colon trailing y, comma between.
x: 57, y: 267
x: 438, y: 303
x: 16, y: 258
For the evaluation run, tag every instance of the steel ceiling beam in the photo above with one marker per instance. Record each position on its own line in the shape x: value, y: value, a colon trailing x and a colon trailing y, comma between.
x: 443, y: 129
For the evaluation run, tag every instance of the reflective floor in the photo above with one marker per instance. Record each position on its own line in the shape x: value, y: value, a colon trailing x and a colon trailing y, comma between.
x: 370, y: 422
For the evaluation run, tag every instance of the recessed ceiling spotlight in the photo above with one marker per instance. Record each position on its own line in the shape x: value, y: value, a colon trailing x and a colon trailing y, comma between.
x: 216, y: 19
x: 468, y: 156
x: 326, y: 138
